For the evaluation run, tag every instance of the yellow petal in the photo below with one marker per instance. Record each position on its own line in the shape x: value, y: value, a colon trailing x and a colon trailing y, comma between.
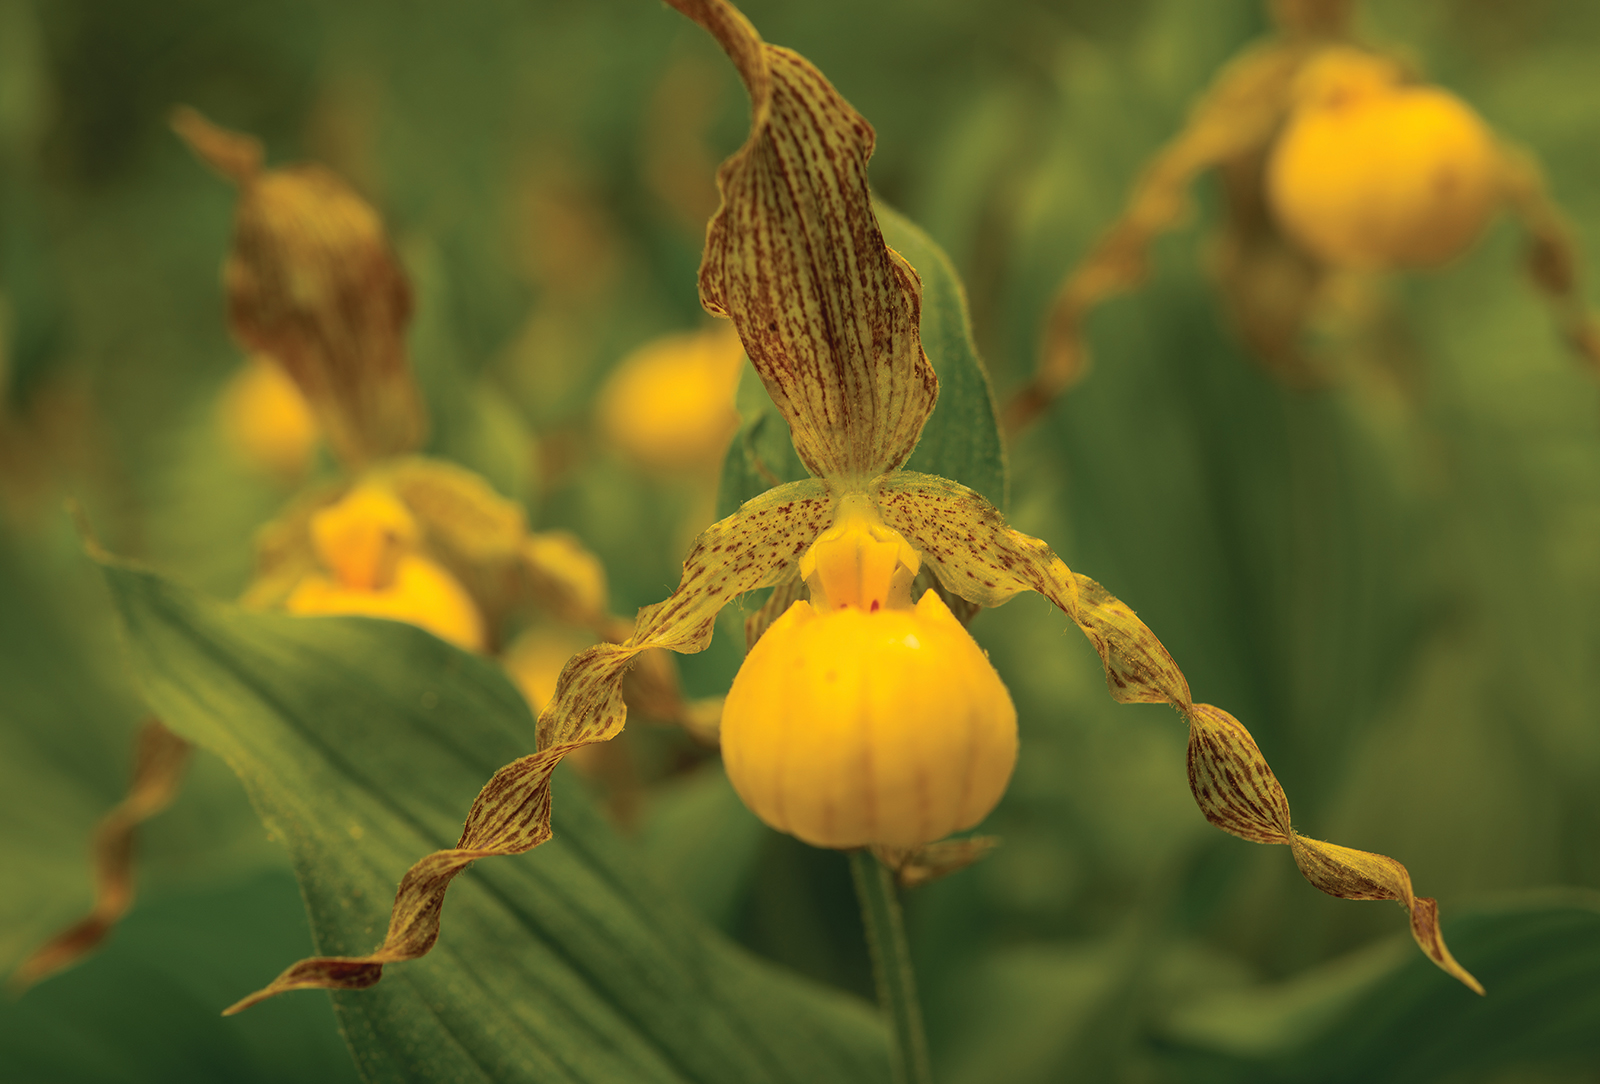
x: 473, y: 531
x: 974, y: 554
x: 1369, y: 174
x: 755, y: 547
x: 851, y: 727
x: 421, y: 593
x: 828, y: 314
x: 360, y: 537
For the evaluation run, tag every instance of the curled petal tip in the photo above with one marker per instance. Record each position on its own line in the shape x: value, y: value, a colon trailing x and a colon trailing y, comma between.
x: 318, y: 973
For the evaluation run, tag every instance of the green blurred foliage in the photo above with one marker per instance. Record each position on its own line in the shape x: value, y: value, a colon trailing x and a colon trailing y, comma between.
x: 1391, y: 581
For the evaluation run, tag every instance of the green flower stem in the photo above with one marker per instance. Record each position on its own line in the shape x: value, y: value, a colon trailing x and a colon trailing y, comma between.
x: 891, y: 966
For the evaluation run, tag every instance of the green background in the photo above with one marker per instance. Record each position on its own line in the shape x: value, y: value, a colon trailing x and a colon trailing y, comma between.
x: 1392, y: 581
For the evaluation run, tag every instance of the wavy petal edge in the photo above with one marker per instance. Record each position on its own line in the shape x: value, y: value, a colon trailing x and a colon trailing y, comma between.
x: 755, y: 547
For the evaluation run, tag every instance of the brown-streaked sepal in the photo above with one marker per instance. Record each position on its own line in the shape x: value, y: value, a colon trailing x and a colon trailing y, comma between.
x: 160, y: 760
x: 755, y: 547
x: 1553, y: 260
x: 313, y: 282
x: 829, y: 314
x: 1231, y: 781
x: 511, y: 815
x: 1360, y: 875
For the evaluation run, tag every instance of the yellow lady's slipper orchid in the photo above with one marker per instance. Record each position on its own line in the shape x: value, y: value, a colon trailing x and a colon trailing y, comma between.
x: 1331, y: 162
x: 1370, y: 173
x: 829, y: 316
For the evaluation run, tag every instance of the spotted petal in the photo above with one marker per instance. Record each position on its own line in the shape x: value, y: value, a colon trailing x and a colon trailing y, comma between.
x: 966, y: 541
x: 755, y: 547
x: 827, y: 312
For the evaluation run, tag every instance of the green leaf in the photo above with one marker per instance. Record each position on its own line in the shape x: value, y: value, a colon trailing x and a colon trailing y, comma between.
x: 761, y: 455
x: 1392, y: 1016
x: 143, y: 1010
x: 362, y: 743
x: 704, y: 843
x: 961, y: 440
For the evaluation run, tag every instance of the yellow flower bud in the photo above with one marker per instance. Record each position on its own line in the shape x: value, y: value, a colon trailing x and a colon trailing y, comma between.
x: 669, y: 404
x: 1371, y: 174
x: 266, y: 419
x: 862, y: 719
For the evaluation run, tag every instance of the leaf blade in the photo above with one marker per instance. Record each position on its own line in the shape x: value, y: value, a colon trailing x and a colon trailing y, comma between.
x: 566, y: 966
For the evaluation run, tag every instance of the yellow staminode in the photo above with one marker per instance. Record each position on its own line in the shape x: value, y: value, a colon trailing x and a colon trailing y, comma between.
x: 858, y: 718
x: 669, y: 405
x: 1372, y: 174
x: 367, y: 541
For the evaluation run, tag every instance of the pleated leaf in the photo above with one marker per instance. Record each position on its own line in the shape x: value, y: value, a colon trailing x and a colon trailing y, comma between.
x: 1385, y: 1015
x: 362, y: 744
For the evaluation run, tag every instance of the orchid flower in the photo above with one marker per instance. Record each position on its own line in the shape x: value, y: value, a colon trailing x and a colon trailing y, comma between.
x: 1336, y: 162
x: 829, y: 317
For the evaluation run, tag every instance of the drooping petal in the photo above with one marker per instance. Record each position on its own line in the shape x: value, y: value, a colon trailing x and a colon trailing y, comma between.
x: 1236, y: 117
x: 755, y: 547
x: 828, y: 314
x: 978, y: 557
x: 1238, y: 793
x: 160, y: 758
x: 1552, y: 257
x: 966, y: 541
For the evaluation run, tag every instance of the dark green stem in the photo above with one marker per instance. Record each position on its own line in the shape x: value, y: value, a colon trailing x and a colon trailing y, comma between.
x: 891, y: 966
